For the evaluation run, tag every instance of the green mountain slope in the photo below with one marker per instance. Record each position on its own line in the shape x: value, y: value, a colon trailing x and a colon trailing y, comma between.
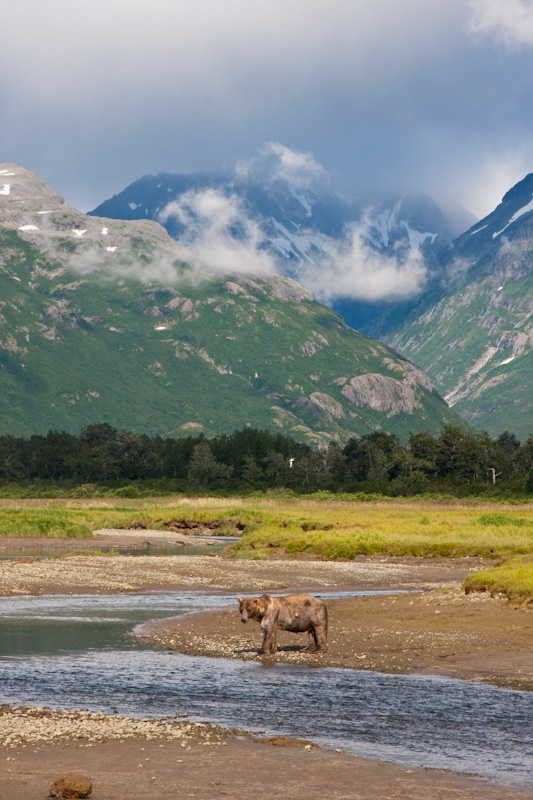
x: 103, y: 320
x: 475, y: 335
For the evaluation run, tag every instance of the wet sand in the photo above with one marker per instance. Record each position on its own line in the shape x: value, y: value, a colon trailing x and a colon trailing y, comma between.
x: 221, y: 767
x: 106, y: 539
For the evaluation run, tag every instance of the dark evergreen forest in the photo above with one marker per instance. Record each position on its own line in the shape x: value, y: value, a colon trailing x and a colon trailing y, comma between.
x: 457, y: 461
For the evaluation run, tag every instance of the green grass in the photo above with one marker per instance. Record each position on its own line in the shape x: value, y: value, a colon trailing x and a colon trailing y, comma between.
x: 337, y: 530
x: 514, y: 579
x: 504, y: 519
x: 15, y: 523
x: 78, y: 518
x: 320, y: 528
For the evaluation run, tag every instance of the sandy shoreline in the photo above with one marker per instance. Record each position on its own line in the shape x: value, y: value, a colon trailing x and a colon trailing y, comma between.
x: 128, y: 758
x: 439, y: 631
x: 105, y: 539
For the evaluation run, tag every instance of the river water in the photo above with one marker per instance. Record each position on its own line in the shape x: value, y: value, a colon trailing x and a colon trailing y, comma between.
x: 76, y: 652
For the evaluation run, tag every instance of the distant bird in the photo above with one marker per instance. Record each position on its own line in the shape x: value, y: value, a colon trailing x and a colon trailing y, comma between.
x: 291, y: 462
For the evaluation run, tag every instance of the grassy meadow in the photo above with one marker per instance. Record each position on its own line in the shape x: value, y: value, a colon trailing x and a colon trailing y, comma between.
x: 322, y: 528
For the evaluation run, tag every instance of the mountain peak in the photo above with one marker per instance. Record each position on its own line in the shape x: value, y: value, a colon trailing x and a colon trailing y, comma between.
x: 31, y: 207
x: 26, y: 191
x: 473, y: 333
x: 522, y: 190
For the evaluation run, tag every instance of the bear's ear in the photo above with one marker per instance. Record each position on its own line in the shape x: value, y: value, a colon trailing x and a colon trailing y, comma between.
x: 240, y: 600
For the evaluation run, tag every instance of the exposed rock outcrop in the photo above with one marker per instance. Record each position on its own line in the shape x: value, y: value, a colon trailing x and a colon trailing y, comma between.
x: 381, y: 393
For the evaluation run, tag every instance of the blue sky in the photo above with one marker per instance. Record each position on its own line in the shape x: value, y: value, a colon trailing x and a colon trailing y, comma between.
x: 389, y: 95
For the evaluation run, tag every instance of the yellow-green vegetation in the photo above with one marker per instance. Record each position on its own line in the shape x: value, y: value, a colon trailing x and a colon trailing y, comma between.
x: 79, y: 518
x: 514, y: 579
x: 321, y: 528
x: 50, y: 524
x: 336, y: 530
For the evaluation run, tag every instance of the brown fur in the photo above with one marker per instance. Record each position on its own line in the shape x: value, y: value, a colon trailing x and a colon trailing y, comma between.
x: 298, y: 613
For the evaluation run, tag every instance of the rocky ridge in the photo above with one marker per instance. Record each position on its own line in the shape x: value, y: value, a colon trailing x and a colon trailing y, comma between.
x: 474, y: 334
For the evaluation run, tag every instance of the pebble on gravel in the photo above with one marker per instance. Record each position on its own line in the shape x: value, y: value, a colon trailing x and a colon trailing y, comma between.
x: 35, y: 725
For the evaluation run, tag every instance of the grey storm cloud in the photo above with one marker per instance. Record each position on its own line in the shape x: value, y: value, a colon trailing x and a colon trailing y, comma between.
x: 388, y: 94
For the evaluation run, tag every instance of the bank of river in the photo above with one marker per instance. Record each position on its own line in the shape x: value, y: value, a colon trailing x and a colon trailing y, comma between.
x: 441, y: 632
x: 409, y: 719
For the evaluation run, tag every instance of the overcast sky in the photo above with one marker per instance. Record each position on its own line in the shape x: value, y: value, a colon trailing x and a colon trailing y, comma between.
x: 430, y: 95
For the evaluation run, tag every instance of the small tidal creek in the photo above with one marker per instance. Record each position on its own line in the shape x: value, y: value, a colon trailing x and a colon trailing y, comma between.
x: 77, y: 652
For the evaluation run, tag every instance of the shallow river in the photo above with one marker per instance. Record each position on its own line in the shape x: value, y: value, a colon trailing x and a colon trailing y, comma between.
x: 75, y: 652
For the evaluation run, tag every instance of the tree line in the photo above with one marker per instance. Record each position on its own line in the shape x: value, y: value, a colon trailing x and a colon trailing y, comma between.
x: 249, y: 459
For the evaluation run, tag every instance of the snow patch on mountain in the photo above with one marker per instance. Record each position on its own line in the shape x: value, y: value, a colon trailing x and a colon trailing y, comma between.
x: 520, y: 213
x: 418, y: 238
x: 303, y: 200
x: 389, y: 227
x: 299, y: 245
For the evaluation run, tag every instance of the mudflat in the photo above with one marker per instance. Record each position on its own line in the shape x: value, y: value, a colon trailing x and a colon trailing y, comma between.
x: 243, y: 769
x: 431, y: 628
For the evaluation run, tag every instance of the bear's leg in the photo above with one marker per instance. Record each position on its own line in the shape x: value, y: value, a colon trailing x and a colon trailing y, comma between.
x: 321, y: 634
x: 269, y: 642
x: 313, y: 643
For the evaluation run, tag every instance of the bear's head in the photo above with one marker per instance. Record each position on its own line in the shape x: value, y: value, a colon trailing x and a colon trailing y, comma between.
x: 253, y: 607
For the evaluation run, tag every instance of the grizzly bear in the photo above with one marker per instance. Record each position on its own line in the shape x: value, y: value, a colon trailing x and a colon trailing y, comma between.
x: 294, y: 612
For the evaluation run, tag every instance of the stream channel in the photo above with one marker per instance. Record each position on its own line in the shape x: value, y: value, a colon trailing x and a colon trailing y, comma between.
x: 77, y: 652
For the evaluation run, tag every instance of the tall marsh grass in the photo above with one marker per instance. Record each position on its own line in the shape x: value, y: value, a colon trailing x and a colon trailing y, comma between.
x: 22, y: 523
x: 323, y: 528
x: 338, y: 531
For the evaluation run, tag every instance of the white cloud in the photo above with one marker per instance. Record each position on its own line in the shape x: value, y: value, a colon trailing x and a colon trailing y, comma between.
x: 161, y: 267
x: 508, y: 21
x: 354, y: 270
x: 224, y: 239
x: 278, y: 162
x: 221, y: 235
x: 393, y: 95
